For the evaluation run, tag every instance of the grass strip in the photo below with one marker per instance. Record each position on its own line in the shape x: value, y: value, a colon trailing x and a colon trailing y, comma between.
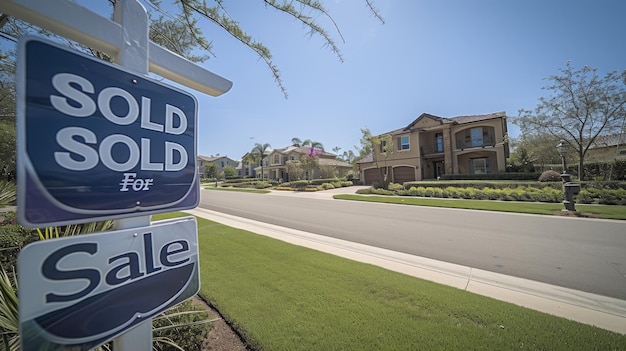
x: 597, y: 211
x: 285, y: 297
x: 242, y: 190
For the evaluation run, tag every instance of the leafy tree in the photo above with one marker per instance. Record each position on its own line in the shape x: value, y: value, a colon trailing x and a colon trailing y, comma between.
x: 178, y: 27
x: 259, y: 151
x: 296, y: 142
x: 581, y: 106
x: 381, y: 148
x: 365, y: 147
x: 229, y: 171
x: 295, y: 170
x: 211, y: 170
x: 310, y: 162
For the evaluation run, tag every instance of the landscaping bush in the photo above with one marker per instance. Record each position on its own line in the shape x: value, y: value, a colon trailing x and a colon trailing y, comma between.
x: 584, y: 197
x: 491, y: 176
x: 262, y: 185
x: 550, y: 176
x: 8, y: 193
x: 185, y: 324
x: 327, y: 186
x: 299, y: 184
x: 395, y: 186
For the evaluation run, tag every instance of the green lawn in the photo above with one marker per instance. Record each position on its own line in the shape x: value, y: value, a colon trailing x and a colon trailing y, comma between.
x: 597, y: 211
x: 285, y: 297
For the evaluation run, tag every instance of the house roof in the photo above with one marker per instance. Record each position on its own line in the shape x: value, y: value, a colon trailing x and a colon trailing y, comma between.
x: 444, y: 120
x: 333, y: 162
x: 457, y: 119
x: 367, y: 159
x: 609, y: 140
x: 213, y: 159
x: 301, y: 150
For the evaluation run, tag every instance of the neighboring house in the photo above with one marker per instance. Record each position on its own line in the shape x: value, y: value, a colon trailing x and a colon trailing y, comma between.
x: 607, y: 148
x: 432, y: 146
x: 276, y: 167
x: 248, y: 170
x: 219, y: 161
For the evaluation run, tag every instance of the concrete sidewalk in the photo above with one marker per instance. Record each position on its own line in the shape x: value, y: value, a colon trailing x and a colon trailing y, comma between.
x: 604, y: 312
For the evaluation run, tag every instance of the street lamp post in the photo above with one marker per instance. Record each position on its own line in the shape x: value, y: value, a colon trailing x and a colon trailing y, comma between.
x: 562, y: 148
x: 569, y: 188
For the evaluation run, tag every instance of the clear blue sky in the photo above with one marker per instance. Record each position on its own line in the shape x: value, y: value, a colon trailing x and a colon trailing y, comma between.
x: 443, y: 57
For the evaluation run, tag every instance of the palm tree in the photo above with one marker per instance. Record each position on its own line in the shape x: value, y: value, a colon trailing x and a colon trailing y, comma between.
x: 296, y: 142
x: 259, y: 151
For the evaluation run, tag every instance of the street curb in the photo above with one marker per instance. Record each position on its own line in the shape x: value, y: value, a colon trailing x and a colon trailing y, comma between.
x: 601, y: 311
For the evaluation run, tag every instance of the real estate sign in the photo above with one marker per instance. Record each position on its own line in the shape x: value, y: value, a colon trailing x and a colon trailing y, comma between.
x: 79, y: 292
x: 96, y: 141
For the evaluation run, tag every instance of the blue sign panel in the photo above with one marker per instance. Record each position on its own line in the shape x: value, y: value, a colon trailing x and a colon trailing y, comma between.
x: 79, y: 292
x: 98, y: 142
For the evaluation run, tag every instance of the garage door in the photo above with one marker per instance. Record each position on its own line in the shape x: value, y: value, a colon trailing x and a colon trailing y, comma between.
x: 403, y: 174
x: 372, y: 175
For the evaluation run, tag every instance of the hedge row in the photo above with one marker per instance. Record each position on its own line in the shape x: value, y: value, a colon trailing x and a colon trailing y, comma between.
x: 492, y: 176
x: 528, y: 193
x: 505, y: 185
x: 305, y: 185
x: 483, y: 184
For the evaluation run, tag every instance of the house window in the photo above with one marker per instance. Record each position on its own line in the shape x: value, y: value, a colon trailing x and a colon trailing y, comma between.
x: 477, y: 137
x: 276, y: 159
x: 292, y: 157
x: 222, y: 164
x: 439, y: 142
x: 479, y: 166
x: 383, y: 146
x: 403, y: 143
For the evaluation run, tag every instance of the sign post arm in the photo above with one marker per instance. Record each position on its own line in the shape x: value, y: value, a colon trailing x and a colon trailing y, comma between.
x: 95, y: 31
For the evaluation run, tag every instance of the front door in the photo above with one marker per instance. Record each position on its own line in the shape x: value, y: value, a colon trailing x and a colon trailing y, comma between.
x: 439, y: 169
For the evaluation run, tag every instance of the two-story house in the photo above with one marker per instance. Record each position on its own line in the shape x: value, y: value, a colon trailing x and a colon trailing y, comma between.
x: 432, y: 146
x: 219, y: 161
x: 276, y: 164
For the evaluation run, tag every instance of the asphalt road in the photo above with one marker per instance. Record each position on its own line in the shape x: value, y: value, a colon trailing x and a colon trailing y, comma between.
x: 582, y: 254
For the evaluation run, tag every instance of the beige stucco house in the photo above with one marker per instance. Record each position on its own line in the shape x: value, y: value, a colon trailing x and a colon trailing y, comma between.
x: 276, y: 164
x: 607, y: 148
x: 432, y: 146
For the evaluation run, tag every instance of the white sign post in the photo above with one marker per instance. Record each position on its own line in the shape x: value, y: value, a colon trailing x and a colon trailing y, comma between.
x: 126, y: 40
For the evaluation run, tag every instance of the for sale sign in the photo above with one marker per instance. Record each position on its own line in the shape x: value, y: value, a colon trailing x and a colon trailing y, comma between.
x: 98, y: 142
x: 79, y: 292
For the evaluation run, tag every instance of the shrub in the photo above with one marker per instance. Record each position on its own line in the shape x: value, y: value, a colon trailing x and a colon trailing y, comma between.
x: 452, y: 192
x: 550, y: 176
x: 364, y: 191
x: 262, y: 185
x: 395, y: 186
x: 8, y: 193
x: 13, y: 238
x: 492, y: 176
x: 382, y: 192
x: 299, y: 184
x: 327, y: 186
x: 185, y: 324
x: 584, y: 197
x: 346, y: 183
